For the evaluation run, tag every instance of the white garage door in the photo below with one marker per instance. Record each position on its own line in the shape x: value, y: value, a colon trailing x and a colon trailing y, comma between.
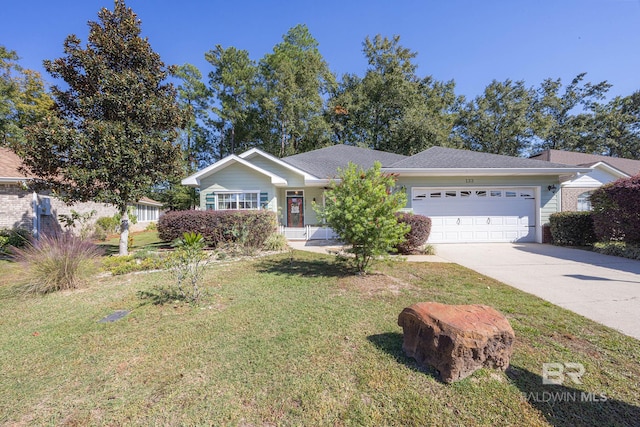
x: 478, y: 215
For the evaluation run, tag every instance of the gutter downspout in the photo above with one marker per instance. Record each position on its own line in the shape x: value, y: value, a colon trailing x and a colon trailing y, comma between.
x: 35, y: 229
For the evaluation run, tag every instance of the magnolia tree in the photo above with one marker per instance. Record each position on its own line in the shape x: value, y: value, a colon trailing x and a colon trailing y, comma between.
x: 110, y: 136
x: 361, y: 208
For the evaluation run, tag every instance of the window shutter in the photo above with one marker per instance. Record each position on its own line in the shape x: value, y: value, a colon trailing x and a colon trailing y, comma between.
x: 264, y: 200
x: 210, y: 200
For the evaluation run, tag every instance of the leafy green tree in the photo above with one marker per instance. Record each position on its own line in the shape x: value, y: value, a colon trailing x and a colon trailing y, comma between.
x: 111, y: 136
x: 391, y: 108
x: 194, y: 98
x: 195, y: 140
x: 559, y: 121
x: 233, y: 82
x: 615, y: 128
x: 498, y: 120
x: 294, y: 78
x: 361, y: 209
x: 23, y: 99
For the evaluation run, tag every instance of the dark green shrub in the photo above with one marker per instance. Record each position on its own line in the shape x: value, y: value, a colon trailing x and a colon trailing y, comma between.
x: 572, y: 228
x: 417, y: 235
x: 620, y: 249
x: 17, y: 238
x: 616, y: 210
x: 57, y: 263
x: 247, y: 228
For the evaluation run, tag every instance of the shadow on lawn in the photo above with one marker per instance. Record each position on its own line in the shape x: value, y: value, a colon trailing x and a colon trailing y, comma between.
x: 391, y: 343
x: 561, y: 405
x: 114, y: 248
x: 303, y: 267
x: 566, y: 406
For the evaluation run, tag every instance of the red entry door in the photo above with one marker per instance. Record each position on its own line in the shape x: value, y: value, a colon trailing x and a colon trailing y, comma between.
x: 295, y: 212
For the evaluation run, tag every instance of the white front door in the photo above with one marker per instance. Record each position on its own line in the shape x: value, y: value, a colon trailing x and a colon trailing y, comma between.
x: 478, y: 214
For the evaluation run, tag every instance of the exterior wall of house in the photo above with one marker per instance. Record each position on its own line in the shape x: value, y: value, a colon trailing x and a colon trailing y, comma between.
x: 572, y: 188
x: 16, y: 209
x: 570, y: 197
x: 50, y: 224
x: 238, y: 177
x: 15, y: 206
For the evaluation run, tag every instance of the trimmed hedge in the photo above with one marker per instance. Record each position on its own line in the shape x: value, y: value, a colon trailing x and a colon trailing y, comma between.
x: 620, y: 249
x: 572, y: 228
x: 248, y: 228
x: 616, y: 212
x: 418, y: 233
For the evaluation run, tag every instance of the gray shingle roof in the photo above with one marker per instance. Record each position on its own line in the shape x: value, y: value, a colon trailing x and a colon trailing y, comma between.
x: 444, y: 158
x: 325, y: 162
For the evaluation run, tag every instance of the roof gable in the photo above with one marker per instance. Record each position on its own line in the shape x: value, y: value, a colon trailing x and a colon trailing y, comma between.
x: 252, y: 153
x: 325, y: 162
x: 194, y: 179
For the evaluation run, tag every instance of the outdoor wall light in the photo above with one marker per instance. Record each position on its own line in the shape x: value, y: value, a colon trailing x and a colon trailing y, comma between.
x: 551, y: 187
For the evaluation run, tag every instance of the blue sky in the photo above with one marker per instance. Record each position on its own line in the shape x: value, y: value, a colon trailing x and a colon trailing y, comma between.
x: 472, y: 42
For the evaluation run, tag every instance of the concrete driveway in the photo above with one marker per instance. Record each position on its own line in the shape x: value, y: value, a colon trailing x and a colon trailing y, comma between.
x: 600, y: 287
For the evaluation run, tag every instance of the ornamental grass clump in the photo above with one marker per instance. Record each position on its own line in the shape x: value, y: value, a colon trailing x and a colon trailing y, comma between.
x: 56, y: 263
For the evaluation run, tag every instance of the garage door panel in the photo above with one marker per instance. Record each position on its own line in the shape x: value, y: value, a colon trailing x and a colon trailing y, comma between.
x: 479, y: 215
x: 514, y: 220
x: 480, y: 236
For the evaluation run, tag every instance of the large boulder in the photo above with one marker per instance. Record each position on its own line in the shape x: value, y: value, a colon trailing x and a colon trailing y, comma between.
x: 456, y: 340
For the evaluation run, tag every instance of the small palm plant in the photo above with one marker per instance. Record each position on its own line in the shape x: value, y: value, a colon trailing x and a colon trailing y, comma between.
x: 186, y: 264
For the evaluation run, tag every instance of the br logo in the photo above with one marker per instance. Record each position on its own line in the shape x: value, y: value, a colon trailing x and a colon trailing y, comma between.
x: 555, y: 373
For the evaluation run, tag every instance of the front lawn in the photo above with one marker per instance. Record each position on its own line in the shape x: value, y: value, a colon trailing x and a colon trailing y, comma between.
x: 141, y: 240
x: 291, y: 339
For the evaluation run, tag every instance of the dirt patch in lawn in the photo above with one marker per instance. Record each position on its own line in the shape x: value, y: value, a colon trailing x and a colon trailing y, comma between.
x: 374, y: 284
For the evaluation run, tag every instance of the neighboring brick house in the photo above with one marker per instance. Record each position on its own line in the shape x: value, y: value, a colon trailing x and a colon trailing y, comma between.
x: 38, y: 212
x: 575, y: 191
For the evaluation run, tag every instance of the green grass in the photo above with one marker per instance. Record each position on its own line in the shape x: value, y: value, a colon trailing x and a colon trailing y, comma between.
x: 291, y: 340
x: 141, y: 240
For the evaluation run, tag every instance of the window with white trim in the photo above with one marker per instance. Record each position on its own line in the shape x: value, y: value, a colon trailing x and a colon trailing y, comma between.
x: 584, y: 201
x: 233, y: 201
x: 147, y: 213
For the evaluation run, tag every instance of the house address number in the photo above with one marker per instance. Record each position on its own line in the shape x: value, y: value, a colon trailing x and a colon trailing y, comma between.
x: 469, y: 180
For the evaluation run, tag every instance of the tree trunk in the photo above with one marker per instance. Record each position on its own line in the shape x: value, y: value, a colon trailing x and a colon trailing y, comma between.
x: 124, y: 232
